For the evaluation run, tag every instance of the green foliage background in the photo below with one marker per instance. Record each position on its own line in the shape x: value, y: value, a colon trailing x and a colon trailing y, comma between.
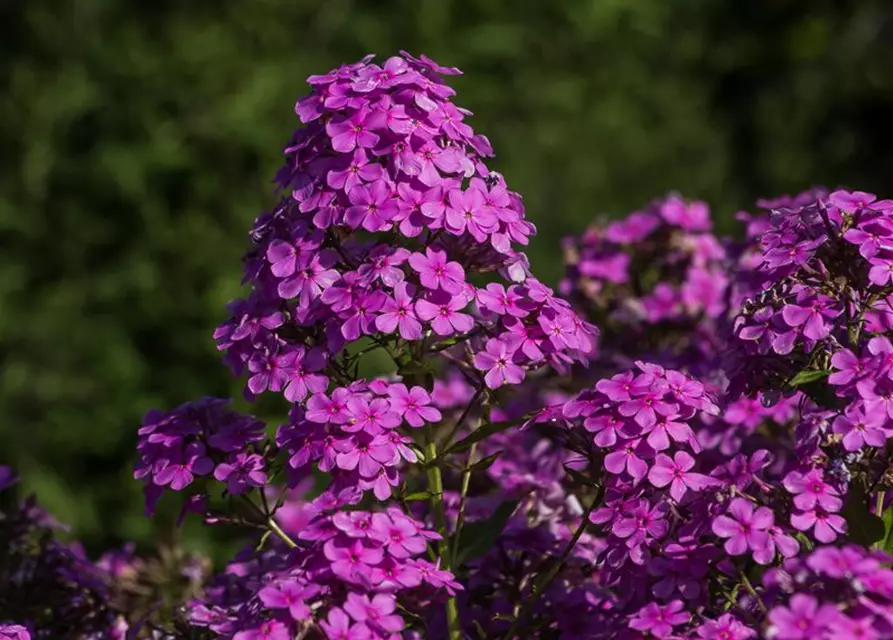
x: 138, y: 142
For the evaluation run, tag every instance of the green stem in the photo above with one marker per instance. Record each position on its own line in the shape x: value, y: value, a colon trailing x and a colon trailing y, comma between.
x: 435, y: 488
x: 463, y: 493
x: 546, y: 580
x: 275, y: 528
x: 747, y: 585
x: 269, y: 521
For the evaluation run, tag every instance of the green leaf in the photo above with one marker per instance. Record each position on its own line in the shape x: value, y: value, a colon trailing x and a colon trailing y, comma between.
x: 808, y: 376
x: 863, y: 527
x: 887, y: 542
x: 580, y: 478
x: 477, y: 538
x: 417, y: 496
x: 486, y: 463
x: 484, y: 431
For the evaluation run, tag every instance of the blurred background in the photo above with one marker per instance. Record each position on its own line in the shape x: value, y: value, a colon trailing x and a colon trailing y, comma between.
x: 138, y: 142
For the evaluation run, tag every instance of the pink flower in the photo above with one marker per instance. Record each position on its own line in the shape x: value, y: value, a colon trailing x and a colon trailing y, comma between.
x: 659, y: 620
x: 413, y: 405
x: 338, y: 627
x: 496, y: 360
x: 810, y: 489
x: 377, y: 612
x: 398, y: 313
x: 435, y: 272
x: 352, y: 558
x: 373, y: 206
x: 348, y: 133
x: 744, y: 527
x: 442, y: 311
x: 289, y: 595
x: 802, y: 619
x: 677, y: 473
x: 826, y: 525
x: 467, y: 213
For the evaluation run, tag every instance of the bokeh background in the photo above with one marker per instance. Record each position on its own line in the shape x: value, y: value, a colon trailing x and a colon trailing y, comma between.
x: 138, y: 141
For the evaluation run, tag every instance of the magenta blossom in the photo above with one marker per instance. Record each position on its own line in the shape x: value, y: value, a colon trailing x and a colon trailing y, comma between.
x: 676, y: 472
x: 496, y: 360
x: 414, y: 405
x: 744, y: 527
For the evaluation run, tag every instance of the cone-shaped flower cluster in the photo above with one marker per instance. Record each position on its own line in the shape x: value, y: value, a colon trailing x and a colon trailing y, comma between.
x: 388, y: 213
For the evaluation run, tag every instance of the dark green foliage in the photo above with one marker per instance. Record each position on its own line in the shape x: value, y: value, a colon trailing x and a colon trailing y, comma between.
x: 138, y: 142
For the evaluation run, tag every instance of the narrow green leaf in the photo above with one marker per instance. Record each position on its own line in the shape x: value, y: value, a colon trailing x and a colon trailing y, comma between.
x: 486, y: 463
x: 477, y: 538
x: 484, y: 431
x: 417, y: 496
x: 863, y: 527
x: 887, y: 542
x: 811, y: 375
x: 580, y: 478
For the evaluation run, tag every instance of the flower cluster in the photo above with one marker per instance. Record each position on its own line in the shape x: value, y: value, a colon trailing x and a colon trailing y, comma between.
x: 48, y: 588
x: 655, y: 282
x: 352, y: 433
x: 833, y: 592
x: 388, y: 212
x: 199, y: 439
x: 822, y: 265
x: 723, y: 474
x: 344, y: 577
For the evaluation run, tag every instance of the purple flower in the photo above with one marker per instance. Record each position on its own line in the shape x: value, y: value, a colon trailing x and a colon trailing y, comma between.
x: 241, y: 472
x: 497, y: 299
x: 726, y: 627
x: 628, y: 456
x: 268, y: 630
x: 744, y: 527
x: 181, y: 470
x: 398, y: 312
x: 436, y: 272
x: 373, y: 417
x: 496, y: 360
x: 442, y: 311
x: 643, y: 522
x: 811, y: 316
x: 413, y: 405
x: 846, y: 563
x: 676, y: 472
x: 14, y: 632
x: 849, y: 368
x: 859, y: 429
x: 373, y: 206
x: 357, y: 130
x: 358, y: 170
x: 363, y: 317
x: 872, y: 237
x: 289, y: 595
x: 338, y: 627
x: 365, y: 452
x: 810, y: 489
x: 352, y: 558
x: 398, y: 535
x: 827, y: 526
x: 8, y: 477
x: 377, y: 612
x: 659, y: 620
x: 312, y: 274
x: 468, y: 213
x: 851, y: 201
x: 802, y: 619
